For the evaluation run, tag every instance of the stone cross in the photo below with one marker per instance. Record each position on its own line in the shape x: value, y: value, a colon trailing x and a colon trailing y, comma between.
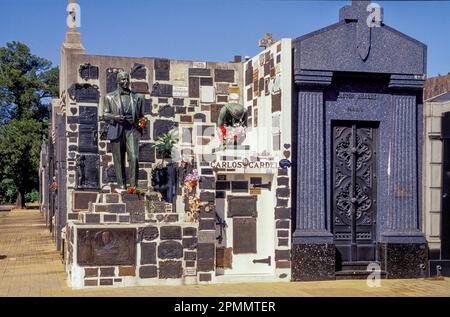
x: 267, y: 41
x: 366, y: 17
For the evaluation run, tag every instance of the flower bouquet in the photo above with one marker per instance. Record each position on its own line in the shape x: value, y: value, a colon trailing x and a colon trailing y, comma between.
x: 142, y: 122
x: 232, y: 135
x: 191, y: 180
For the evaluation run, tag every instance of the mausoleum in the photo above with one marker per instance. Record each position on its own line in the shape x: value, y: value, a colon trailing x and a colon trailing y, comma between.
x: 300, y: 163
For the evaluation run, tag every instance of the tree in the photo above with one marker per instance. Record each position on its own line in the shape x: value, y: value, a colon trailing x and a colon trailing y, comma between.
x: 27, y: 83
x: 20, y: 145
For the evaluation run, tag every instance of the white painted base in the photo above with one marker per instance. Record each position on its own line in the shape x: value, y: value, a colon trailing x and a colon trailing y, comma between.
x: 245, y: 278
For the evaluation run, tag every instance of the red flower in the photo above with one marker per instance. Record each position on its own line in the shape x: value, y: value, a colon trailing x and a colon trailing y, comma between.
x: 223, y: 132
x: 131, y: 190
x: 142, y: 122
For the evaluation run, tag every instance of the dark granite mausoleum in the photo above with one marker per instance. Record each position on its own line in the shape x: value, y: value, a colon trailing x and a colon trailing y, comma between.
x: 358, y: 88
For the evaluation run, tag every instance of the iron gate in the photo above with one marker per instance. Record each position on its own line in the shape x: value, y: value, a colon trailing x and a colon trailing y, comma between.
x: 354, y: 189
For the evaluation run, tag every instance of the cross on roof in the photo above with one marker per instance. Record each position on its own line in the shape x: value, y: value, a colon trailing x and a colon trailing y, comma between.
x: 356, y: 11
x: 266, y: 41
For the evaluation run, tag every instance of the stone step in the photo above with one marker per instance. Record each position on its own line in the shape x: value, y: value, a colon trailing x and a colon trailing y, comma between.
x: 356, y: 274
x: 114, y: 208
x: 357, y: 265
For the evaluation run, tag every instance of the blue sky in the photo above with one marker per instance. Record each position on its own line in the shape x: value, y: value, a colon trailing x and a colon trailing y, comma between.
x: 212, y: 30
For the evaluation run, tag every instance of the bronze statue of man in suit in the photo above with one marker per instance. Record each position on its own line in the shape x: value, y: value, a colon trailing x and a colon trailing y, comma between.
x: 123, y: 111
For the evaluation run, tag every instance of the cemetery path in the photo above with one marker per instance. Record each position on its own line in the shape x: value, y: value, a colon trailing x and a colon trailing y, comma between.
x: 31, y: 266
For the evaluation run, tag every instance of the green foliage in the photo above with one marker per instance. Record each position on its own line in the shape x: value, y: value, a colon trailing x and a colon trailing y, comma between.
x: 27, y: 83
x: 165, y: 143
x: 32, y: 196
x: 20, y: 145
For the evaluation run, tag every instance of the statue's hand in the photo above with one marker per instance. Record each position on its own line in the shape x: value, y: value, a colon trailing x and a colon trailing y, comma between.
x: 119, y: 118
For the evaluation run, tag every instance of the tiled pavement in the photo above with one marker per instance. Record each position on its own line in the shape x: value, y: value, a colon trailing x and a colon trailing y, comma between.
x: 30, y: 266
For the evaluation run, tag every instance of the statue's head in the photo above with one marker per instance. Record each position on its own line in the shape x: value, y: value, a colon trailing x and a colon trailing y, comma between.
x: 123, y: 80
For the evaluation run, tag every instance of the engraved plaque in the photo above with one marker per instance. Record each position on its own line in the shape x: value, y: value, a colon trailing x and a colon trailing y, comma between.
x: 162, y: 64
x: 242, y: 206
x: 87, y: 71
x: 276, y: 102
x: 139, y: 87
x: 84, y: 93
x: 244, y: 235
x: 88, y: 139
x: 88, y: 115
x: 81, y: 200
x: 162, y: 90
x: 194, y: 87
x: 106, y: 247
x: 199, y: 72
x: 224, y: 75
x: 87, y: 171
x: 146, y: 152
x: 162, y: 74
x: 224, y: 257
x: 138, y: 71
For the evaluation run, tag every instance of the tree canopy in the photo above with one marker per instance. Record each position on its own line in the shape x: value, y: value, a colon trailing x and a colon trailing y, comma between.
x: 27, y: 83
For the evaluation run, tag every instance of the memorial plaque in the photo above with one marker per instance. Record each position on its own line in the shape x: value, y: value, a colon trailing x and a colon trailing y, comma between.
x: 242, y: 206
x: 98, y: 247
x: 224, y: 257
x: 148, y: 253
x: 200, y: 72
x: 81, y: 200
x: 276, y: 102
x: 84, y: 93
x: 145, y: 133
x: 139, y: 87
x: 222, y: 89
x: 147, y: 106
x: 180, y: 91
x: 249, y: 75
x: 161, y: 127
x: 166, y: 111
x: 162, y: 74
x: 206, y: 81
x: 194, y: 87
x: 146, y: 152
x: 249, y: 94
x: 111, y: 80
x: 170, y: 269
x: 88, y: 115
x: 87, y: 171
x: 178, y: 101
x: 200, y: 117
x: 170, y: 233
x: 224, y: 75
x: 148, y: 233
x: 244, y: 235
x: 162, y: 64
x: 161, y: 90
x: 87, y: 71
x: 138, y: 71
x: 239, y: 186
x: 170, y: 250
x: 87, y: 142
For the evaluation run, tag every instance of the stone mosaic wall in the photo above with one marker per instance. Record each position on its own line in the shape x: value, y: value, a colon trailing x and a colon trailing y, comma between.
x: 188, y: 96
x: 182, y: 94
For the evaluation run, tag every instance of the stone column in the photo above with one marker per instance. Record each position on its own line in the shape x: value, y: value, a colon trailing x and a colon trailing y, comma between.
x: 313, y: 254
x: 403, y: 249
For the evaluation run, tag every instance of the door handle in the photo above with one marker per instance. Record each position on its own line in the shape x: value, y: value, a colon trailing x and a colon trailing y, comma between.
x: 264, y: 261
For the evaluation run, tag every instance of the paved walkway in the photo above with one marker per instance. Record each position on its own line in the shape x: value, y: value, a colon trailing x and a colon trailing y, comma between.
x: 30, y: 266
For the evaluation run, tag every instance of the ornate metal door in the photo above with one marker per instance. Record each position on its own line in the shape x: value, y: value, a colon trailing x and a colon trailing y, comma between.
x: 354, y: 190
